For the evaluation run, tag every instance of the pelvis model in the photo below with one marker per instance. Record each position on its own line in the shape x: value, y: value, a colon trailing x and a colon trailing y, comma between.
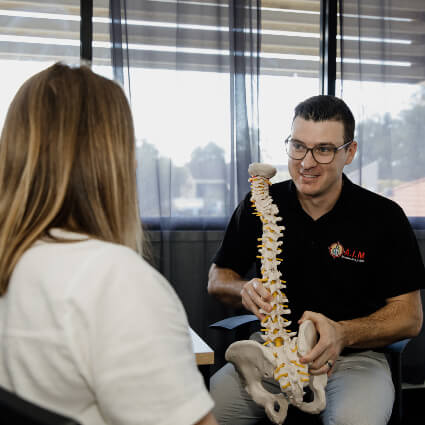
x: 278, y: 357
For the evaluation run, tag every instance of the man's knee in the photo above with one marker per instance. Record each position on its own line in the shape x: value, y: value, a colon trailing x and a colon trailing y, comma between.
x: 357, y: 415
x: 233, y: 405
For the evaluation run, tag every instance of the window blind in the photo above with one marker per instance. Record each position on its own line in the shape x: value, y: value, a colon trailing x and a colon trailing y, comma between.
x: 32, y: 30
x: 40, y: 30
x: 290, y: 35
x: 392, y: 46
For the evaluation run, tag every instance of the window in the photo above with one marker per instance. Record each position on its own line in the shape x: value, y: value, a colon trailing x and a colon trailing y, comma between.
x: 180, y: 89
x: 179, y: 85
x: 34, y: 35
x: 383, y: 75
x: 289, y: 72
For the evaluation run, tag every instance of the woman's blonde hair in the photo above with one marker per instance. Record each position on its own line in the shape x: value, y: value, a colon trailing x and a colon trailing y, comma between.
x: 67, y: 160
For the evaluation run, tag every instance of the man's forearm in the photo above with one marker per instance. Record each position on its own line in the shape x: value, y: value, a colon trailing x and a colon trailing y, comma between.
x: 400, y: 318
x: 226, y: 285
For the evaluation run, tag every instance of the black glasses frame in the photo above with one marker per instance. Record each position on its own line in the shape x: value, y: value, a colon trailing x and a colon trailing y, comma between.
x: 335, y: 150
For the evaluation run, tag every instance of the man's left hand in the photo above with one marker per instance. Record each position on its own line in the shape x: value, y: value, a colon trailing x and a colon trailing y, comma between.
x: 323, y: 355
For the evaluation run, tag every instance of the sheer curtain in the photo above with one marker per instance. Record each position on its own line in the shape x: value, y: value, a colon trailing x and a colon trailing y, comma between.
x: 244, y: 52
x: 383, y: 79
x: 382, y: 76
x: 191, y: 71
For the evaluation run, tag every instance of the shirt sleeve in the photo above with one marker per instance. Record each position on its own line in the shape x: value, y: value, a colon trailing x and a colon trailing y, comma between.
x: 130, y: 334
x: 238, y: 249
x: 402, y: 265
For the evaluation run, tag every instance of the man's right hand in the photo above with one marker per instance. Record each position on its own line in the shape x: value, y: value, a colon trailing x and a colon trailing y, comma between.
x: 255, y: 296
x: 231, y: 288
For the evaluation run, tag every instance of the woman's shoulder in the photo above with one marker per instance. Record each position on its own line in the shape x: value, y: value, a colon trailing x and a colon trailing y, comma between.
x: 71, y: 244
x: 112, y: 261
x: 85, y: 264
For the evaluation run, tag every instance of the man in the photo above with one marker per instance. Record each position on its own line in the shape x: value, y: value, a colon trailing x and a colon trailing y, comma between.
x: 352, y: 266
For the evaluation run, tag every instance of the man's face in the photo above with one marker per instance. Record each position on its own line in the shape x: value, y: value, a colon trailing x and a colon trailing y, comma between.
x: 312, y: 179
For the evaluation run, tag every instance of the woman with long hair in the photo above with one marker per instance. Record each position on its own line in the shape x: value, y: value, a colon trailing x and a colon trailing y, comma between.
x: 88, y: 328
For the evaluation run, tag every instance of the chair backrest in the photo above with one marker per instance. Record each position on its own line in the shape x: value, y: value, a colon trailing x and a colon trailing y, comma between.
x: 17, y: 411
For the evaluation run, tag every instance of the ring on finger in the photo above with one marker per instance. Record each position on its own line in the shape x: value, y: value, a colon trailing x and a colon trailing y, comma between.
x: 329, y: 363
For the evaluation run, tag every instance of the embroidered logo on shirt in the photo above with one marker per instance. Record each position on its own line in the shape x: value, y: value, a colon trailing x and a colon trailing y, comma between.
x: 336, y: 250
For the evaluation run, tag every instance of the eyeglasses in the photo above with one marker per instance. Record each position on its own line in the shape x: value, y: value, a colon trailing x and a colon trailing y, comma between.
x: 323, y: 154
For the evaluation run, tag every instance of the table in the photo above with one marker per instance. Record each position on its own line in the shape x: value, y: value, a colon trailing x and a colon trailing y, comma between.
x: 204, y: 355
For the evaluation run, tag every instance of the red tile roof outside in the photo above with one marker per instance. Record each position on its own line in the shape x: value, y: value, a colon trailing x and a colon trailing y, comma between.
x: 411, y: 197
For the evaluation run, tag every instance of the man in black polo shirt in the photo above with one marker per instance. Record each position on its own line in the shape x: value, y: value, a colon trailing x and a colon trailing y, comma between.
x: 351, y: 263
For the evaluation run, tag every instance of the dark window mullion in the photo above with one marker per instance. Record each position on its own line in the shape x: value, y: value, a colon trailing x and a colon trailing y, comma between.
x: 328, y: 31
x: 86, y: 30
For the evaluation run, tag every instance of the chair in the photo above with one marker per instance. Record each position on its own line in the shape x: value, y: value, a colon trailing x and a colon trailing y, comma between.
x: 17, y: 411
x: 393, y: 353
x: 245, y: 324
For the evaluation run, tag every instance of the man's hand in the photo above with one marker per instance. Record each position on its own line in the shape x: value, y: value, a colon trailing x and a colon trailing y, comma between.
x: 255, y: 296
x: 323, y: 355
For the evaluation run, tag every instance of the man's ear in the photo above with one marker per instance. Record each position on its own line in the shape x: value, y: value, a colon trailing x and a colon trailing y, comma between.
x: 352, y: 149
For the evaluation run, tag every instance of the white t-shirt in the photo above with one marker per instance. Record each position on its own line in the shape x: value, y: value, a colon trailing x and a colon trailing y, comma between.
x: 92, y: 331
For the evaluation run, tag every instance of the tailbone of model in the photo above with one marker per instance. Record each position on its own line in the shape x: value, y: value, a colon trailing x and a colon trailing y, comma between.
x: 279, y: 356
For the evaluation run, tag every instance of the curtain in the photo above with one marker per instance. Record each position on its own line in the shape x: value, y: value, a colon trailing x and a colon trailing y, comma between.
x: 382, y: 74
x: 191, y: 71
x: 178, y: 46
x: 244, y: 32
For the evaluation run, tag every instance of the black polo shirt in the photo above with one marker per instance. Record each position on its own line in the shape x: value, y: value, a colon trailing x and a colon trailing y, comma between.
x: 343, y: 265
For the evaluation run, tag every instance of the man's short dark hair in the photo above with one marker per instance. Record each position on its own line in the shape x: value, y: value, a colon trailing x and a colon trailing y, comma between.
x: 327, y: 108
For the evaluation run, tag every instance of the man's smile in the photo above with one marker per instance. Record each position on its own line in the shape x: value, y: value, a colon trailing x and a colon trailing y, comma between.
x: 308, y: 175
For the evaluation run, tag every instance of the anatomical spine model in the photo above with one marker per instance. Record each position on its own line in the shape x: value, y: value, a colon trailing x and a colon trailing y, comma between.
x: 278, y: 357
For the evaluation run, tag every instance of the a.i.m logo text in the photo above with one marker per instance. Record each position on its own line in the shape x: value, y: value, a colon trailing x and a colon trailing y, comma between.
x: 336, y: 250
